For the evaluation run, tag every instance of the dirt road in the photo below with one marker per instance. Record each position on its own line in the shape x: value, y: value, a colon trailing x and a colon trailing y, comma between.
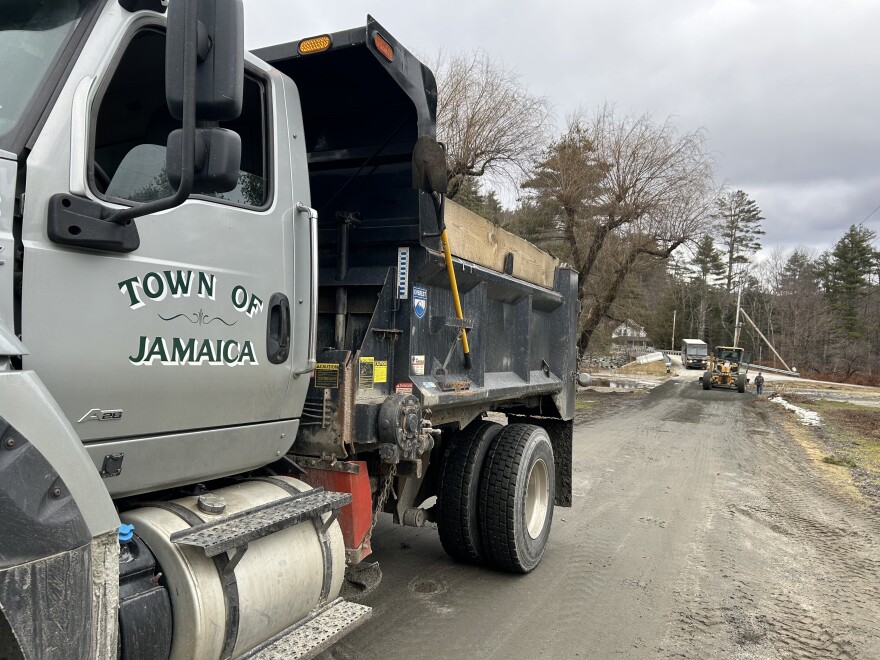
x: 699, y: 530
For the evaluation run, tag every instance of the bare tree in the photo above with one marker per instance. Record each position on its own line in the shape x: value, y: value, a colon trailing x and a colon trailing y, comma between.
x: 487, y: 118
x: 637, y: 191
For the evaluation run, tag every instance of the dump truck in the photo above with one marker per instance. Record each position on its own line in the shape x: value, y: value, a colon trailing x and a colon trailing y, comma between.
x: 694, y: 354
x: 239, y: 324
x: 728, y: 367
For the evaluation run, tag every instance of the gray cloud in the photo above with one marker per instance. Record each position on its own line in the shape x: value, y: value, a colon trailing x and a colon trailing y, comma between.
x: 786, y: 90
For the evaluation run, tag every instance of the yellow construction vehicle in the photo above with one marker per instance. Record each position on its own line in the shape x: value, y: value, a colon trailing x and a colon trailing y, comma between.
x: 727, y: 367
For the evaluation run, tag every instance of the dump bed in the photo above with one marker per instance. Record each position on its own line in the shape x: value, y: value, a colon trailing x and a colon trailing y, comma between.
x: 386, y: 318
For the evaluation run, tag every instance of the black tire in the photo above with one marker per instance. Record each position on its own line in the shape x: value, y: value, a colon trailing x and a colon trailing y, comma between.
x: 458, y: 495
x: 707, y: 381
x: 741, y: 384
x: 517, y: 492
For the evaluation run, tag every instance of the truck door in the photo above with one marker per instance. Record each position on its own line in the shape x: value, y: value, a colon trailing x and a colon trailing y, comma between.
x: 192, y: 330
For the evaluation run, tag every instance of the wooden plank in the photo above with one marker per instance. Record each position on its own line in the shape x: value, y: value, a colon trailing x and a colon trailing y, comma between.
x: 473, y: 238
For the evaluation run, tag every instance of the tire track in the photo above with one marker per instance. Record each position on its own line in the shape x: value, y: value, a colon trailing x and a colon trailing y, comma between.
x: 797, y: 576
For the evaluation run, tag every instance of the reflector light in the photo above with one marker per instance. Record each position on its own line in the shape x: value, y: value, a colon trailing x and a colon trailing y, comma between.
x: 314, y: 45
x: 383, y: 47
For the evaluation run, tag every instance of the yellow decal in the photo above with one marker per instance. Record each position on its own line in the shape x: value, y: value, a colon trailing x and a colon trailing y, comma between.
x: 327, y: 374
x: 380, y: 372
x: 365, y: 373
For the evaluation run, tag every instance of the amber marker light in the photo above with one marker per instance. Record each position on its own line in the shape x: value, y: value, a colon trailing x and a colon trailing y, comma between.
x: 383, y: 47
x: 314, y: 45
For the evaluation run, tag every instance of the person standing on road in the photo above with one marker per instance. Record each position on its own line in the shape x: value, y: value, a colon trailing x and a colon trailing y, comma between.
x: 759, y: 383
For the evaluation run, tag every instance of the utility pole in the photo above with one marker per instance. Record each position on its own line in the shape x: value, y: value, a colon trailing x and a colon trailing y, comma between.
x: 672, y: 348
x: 767, y: 341
x: 736, y: 326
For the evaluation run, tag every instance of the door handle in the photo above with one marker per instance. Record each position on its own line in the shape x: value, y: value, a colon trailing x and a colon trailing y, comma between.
x: 278, y: 329
x: 313, y: 287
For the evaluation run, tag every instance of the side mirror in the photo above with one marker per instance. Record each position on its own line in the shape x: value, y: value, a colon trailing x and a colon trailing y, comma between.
x: 429, y: 166
x: 217, y: 160
x: 220, y: 51
x: 204, y: 81
x: 213, y: 32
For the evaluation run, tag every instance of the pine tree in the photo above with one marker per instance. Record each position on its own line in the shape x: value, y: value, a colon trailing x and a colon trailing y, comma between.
x: 707, y: 260
x: 738, y: 223
x: 847, y: 273
x: 469, y: 195
x: 798, y: 274
x: 566, y: 183
x: 709, y: 269
x: 492, y: 208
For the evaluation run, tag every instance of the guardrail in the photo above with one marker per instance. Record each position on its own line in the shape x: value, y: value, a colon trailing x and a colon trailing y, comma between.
x: 751, y: 365
x: 784, y: 372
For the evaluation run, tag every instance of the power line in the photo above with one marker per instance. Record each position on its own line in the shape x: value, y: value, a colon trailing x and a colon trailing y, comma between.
x: 872, y: 212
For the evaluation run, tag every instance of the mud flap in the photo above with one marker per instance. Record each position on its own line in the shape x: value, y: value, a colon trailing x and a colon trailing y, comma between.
x: 561, y: 433
x: 58, y: 585
x: 48, y: 604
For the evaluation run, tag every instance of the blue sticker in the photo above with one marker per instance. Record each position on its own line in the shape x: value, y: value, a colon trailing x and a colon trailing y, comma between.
x: 420, y: 300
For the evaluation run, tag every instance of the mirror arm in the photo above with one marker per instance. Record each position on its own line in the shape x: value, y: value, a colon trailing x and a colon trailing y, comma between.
x: 187, y: 168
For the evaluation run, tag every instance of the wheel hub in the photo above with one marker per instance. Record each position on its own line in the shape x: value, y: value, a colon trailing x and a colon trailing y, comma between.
x: 537, y: 498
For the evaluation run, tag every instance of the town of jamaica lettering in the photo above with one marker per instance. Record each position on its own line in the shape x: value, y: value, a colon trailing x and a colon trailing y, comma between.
x: 155, y: 287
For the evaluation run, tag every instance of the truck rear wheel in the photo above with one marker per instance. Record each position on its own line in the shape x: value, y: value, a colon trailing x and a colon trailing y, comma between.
x: 707, y: 381
x: 457, y: 520
x: 517, y: 492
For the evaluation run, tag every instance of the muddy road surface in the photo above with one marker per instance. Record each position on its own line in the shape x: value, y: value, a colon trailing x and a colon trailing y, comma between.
x: 699, y: 529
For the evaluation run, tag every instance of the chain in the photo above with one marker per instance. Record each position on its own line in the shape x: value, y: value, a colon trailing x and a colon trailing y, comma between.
x: 381, y: 500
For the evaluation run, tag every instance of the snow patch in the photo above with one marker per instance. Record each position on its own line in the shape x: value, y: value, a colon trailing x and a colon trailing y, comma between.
x: 806, y: 417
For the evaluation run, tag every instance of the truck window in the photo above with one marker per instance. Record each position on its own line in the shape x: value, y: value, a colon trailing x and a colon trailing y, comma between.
x: 133, y: 123
x: 32, y: 36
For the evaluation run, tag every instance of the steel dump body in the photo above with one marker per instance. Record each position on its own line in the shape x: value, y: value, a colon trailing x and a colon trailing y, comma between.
x: 378, y: 244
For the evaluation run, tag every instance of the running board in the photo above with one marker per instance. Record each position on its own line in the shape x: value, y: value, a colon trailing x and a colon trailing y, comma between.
x: 241, y: 528
x: 316, y: 633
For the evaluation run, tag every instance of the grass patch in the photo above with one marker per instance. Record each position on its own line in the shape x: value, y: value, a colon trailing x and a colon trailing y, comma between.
x: 855, y: 430
x: 584, y: 404
x: 837, y: 477
x: 842, y: 462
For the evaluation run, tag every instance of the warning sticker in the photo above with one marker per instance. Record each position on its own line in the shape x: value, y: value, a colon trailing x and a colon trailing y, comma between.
x: 380, y: 371
x: 418, y: 365
x: 403, y: 388
x: 365, y: 373
x: 327, y: 374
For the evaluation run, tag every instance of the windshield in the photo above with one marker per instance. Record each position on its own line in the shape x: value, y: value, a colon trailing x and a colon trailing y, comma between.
x: 32, y: 34
x: 729, y: 354
x: 697, y: 350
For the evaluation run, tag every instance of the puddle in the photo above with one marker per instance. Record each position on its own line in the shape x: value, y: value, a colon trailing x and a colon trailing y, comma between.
x: 426, y: 587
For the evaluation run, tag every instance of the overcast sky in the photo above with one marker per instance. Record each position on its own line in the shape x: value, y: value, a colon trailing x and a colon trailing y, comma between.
x: 787, y: 91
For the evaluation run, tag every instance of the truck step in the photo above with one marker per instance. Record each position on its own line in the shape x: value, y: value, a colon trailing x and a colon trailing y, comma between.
x: 316, y: 633
x: 241, y: 528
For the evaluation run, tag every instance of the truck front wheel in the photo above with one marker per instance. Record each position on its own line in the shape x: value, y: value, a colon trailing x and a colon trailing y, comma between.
x: 457, y: 520
x: 517, y: 492
x: 707, y: 381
